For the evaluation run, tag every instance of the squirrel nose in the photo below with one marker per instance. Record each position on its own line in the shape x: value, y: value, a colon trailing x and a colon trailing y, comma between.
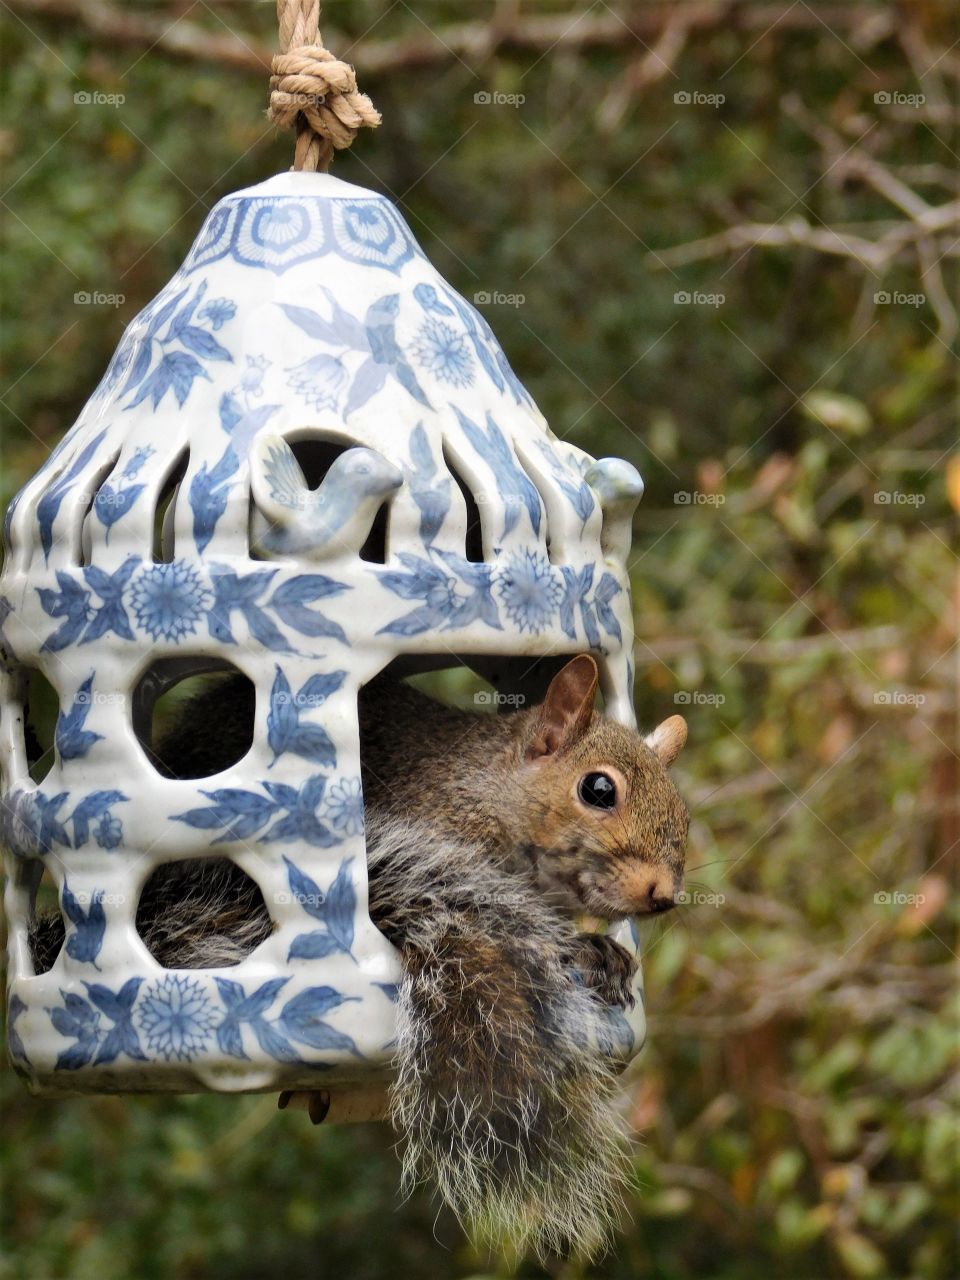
x: 658, y: 901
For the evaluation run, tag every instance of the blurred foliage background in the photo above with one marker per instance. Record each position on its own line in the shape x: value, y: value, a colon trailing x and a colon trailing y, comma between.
x: 720, y: 240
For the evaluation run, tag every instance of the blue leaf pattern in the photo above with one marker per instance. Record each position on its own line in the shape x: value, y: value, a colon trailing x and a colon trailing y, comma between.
x: 86, y: 938
x: 334, y: 911
x: 49, y: 504
x: 70, y: 737
x: 431, y: 495
x: 180, y: 352
x: 515, y: 487
x: 238, y: 814
x: 284, y: 729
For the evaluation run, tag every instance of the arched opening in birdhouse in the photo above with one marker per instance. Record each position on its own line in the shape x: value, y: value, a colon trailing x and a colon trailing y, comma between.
x: 473, y: 541
x: 89, y: 517
x: 220, y: 729
x: 41, y: 706
x: 164, y: 517
x: 46, y: 926
x: 201, y: 913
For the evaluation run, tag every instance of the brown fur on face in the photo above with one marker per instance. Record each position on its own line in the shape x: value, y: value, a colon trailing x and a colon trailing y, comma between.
x: 627, y: 860
x: 510, y: 782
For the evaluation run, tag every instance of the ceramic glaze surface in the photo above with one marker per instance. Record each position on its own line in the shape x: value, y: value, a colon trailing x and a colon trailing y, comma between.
x: 305, y: 311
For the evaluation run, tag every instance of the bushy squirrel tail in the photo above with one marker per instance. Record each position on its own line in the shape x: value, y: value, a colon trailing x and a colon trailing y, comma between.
x: 499, y: 1097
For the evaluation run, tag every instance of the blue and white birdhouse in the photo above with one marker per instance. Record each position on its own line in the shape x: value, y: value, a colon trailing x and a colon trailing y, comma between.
x: 309, y: 458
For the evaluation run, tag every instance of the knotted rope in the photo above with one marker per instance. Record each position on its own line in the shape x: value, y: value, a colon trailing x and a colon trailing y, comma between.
x: 313, y: 92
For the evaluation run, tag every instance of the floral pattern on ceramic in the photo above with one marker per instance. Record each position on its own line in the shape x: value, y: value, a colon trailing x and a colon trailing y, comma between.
x: 181, y: 522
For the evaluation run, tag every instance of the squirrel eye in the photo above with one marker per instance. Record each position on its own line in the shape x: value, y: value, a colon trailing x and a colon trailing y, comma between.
x: 598, y: 790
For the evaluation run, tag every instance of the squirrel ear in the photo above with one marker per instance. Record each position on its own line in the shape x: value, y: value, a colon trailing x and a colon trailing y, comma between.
x: 668, y: 738
x: 567, y: 708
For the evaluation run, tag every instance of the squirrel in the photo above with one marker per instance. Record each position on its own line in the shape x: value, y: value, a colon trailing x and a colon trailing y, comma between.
x: 485, y: 836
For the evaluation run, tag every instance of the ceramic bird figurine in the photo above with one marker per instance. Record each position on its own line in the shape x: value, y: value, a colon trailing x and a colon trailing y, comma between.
x: 619, y: 487
x: 333, y: 520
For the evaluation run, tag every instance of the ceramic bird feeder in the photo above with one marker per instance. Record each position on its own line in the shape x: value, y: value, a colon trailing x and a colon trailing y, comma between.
x: 308, y: 459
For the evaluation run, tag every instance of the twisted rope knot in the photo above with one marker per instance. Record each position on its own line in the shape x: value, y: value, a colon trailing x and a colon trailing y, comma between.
x: 315, y: 93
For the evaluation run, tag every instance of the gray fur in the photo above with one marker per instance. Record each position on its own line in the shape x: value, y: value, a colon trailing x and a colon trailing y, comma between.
x: 498, y: 1096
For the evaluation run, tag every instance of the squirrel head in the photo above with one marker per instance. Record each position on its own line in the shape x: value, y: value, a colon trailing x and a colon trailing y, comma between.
x: 597, y: 814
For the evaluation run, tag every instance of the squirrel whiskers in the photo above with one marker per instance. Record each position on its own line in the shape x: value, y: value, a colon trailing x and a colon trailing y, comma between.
x: 501, y: 1097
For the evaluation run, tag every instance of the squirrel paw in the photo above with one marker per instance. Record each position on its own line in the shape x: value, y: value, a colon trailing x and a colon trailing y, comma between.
x: 606, y: 967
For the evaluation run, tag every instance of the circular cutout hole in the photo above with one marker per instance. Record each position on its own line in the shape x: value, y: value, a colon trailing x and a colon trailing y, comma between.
x: 201, y: 913
x: 194, y: 716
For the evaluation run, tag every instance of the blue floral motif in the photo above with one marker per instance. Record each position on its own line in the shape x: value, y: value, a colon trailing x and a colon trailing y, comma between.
x: 169, y: 600
x: 113, y: 500
x: 70, y: 738
x: 292, y: 600
x: 443, y: 604
x: 444, y: 301
x: 218, y: 312
x: 577, y: 587
x: 241, y: 419
x: 322, y: 378
x: 528, y: 590
x: 176, y: 1017
x: 112, y: 503
x: 321, y: 381
x: 276, y: 233
x: 514, y: 486
x: 334, y: 911
x: 344, y: 806
x: 574, y: 488
x: 137, y: 460
x: 32, y: 825
x: 442, y: 351
x: 300, y: 1019
x: 49, y: 504
x: 179, y: 352
x: 80, y: 1020
x: 86, y: 938
x: 239, y: 814
x: 607, y: 588
x: 285, y: 732
x: 233, y: 592
x: 431, y: 495
x: 110, y: 615
x: 108, y: 832
x: 372, y: 232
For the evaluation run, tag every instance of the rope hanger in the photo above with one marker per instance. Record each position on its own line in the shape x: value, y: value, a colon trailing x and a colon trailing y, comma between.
x: 313, y: 92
